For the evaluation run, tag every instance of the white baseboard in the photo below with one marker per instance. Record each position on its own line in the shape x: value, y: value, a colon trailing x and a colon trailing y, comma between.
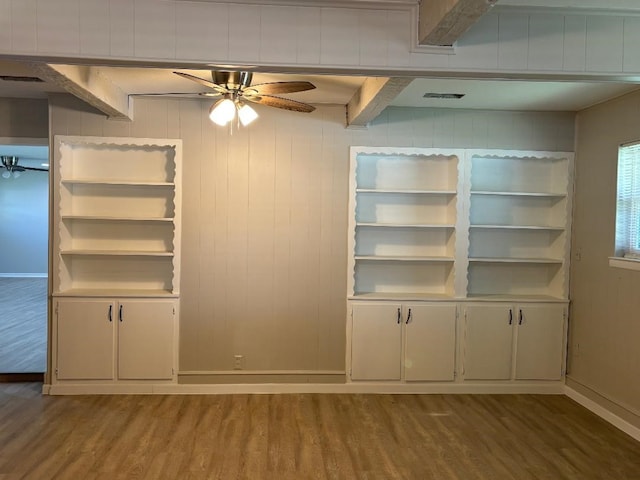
x: 545, y: 388
x: 603, y: 413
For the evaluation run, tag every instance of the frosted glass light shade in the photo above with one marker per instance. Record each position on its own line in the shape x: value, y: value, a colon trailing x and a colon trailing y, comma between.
x: 246, y: 114
x: 222, y: 112
x: 6, y: 174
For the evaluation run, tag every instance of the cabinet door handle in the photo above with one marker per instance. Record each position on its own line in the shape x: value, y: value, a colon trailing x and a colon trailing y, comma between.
x: 520, y: 317
x: 408, y: 317
x: 111, y: 313
x: 120, y: 313
x: 399, y: 315
x: 510, y: 317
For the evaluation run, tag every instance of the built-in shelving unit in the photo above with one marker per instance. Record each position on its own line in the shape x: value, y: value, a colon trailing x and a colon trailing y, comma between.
x: 519, y: 213
x: 117, y: 212
x: 404, y: 220
x: 116, y: 263
x: 458, y: 264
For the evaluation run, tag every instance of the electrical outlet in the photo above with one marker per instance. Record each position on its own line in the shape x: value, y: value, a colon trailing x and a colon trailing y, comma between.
x: 237, y: 362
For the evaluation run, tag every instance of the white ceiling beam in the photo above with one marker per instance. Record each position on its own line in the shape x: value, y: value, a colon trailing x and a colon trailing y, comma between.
x: 442, y: 22
x: 90, y: 85
x: 375, y: 94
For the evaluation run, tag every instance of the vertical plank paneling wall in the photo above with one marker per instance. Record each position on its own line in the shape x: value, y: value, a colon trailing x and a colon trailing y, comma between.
x: 327, y: 37
x: 264, y: 240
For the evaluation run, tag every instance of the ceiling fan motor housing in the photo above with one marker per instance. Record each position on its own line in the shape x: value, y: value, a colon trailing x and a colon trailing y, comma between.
x: 9, y: 162
x: 232, y: 80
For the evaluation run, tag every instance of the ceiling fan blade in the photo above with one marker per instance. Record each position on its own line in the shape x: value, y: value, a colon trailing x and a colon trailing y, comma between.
x: 284, y: 103
x: 21, y: 168
x: 276, y: 88
x: 203, y: 82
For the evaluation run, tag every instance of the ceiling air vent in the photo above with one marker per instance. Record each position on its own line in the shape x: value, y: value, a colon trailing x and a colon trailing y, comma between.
x: 14, y: 78
x: 444, y: 95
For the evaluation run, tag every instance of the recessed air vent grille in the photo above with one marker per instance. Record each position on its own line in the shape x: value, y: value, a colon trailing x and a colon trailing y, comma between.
x: 14, y: 78
x: 443, y: 95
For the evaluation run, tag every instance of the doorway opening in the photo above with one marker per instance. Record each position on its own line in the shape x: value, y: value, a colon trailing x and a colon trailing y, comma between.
x: 24, y: 237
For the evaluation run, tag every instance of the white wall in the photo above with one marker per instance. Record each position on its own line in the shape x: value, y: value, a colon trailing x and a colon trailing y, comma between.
x: 24, y: 224
x: 264, y: 238
x: 604, y: 360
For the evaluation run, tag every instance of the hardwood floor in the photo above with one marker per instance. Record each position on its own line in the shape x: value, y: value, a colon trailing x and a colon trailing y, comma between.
x: 308, y: 436
x: 23, y: 325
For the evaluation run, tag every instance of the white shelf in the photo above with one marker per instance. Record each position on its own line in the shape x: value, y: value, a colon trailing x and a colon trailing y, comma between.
x: 390, y: 258
x: 405, y: 192
x: 116, y: 292
x: 518, y: 227
x: 404, y: 225
x: 115, y: 182
x: 519, y: 194
x: 514, y: 260
x: 401, y: 296
x: 117, y: 253
x: 516, y: 298
x: 117, y: 219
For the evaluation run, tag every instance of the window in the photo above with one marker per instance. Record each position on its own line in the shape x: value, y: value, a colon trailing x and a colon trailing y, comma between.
x: 628, y: 202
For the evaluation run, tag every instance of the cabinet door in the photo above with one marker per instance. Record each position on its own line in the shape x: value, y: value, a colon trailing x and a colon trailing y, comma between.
x: 488, y: 342
x: 85, y: 339
x: 376, y: 341
x: 145, y: 339
x: 430, y: 342
x: 540, y: 342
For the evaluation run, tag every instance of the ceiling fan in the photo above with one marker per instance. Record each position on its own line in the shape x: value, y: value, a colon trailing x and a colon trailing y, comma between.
x: 235, y: 88
x: 11, y: 167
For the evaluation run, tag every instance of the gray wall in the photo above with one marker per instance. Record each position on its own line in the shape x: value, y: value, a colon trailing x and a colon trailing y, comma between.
x: 604, y: 361
x: 24, y: 224
x: 24, y: 214
x: 264, y: 240
x: 23, y: 117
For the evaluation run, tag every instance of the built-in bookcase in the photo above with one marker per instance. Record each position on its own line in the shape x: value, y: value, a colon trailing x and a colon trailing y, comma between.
x: 405, y: 211
x: 117, y: 204
x: 428, y: 223
x: 458, y: 267
x: 519, y: 211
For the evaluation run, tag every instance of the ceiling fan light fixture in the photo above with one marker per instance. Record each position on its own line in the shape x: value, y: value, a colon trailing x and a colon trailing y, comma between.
x: 246, y: 114
x: 6, y: 174
x: 222, y: 112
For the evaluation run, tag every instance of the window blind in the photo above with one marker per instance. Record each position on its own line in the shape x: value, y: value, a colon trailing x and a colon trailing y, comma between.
x: 628, y: 202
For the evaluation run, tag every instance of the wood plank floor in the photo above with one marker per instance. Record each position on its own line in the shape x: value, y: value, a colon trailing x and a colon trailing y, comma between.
x: 308, y: 436
x: 23, y: 325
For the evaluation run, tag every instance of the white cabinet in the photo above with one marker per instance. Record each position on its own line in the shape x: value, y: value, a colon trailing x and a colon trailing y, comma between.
x: 430, y: 342
x: 514, y: 341
x: 377, y: 341
x: 115, y: 339
x: 411, y: 342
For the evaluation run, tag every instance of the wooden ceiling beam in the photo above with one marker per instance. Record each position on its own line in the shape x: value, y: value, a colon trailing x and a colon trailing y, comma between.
x: 90, y: 85
x: 442, y: 22
x: 375, y: 94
